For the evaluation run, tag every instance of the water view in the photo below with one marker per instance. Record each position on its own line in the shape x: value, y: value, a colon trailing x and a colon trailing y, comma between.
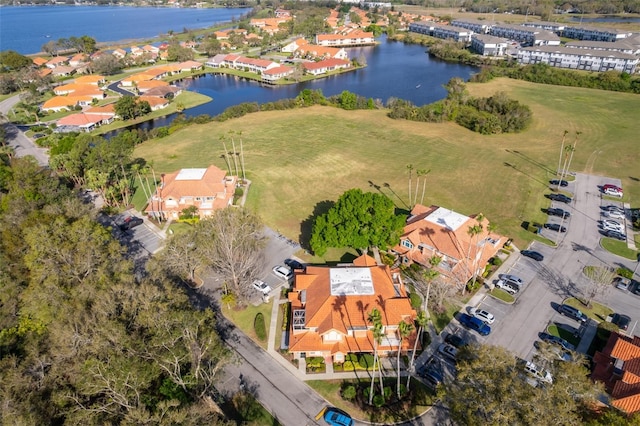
x: 26, y: 28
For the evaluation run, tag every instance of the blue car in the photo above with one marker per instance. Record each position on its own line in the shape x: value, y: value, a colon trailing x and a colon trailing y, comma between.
x: 475, y: 324
x: 336, y: 417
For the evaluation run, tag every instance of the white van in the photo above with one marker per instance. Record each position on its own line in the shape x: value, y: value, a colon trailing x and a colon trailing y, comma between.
x: 508, y: 286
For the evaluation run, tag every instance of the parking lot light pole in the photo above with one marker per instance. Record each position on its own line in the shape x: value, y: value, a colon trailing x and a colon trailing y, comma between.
x: 637, y: 264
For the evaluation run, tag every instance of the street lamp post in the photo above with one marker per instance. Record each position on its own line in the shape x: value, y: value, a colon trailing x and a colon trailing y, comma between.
x: 637, y: 264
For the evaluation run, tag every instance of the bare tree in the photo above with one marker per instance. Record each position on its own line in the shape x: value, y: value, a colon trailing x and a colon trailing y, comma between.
x: 235, y: 250
x: 185, y: 253
x: 440, y: 290
x: 600, y: 279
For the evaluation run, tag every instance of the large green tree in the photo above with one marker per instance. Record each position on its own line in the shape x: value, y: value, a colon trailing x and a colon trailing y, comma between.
x: 359, y: 220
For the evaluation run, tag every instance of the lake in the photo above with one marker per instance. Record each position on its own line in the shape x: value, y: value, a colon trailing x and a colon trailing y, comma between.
x: 393, y: 69
x: 26, y: 29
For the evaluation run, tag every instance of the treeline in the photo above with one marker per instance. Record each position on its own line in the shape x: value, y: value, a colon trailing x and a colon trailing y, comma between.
x: 546, y: 8
x: 496, y: 114
x: 82, y: 341
x: 543, y: 73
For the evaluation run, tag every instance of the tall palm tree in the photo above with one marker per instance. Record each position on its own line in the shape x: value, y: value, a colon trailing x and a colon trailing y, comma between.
x: 472, y: 231
x: 480, y: 228
x: 410, y: 168
x: 422, y: 321
x: 404, y: 330
x: 375, y: 318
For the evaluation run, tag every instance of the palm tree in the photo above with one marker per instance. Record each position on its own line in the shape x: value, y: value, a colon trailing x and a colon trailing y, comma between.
x: 472, y: 231
x: 410, y: 168
x: 404, y: 330
x: 375, y: 318
x: 422, y: 321
x: 424, y: 186
x: 480, y: 219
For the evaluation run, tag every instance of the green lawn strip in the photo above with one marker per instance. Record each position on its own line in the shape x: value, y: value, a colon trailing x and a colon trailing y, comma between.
x: 243, y: 319
x: 330, y: 390
x: 441, y: 319
x: 179, y: 228
x: 596, y: 311
x: 298, y: 159
x: 619, y: 248
x: 500, y: 294
x: 563, y: 333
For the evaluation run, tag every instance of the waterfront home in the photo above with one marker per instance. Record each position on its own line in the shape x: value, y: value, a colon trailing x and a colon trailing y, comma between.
x: 475, y: 25
x: 274, y: 74
x: 217, y: 61
x: 441, y: 31
x: 56, y: 62
x: 269, y: 25
x: 189, y: 66
x: 145, y: 86
x: 154, y: 102
x: 354, y: 38
x: 294, y: 45
x: 579, y: 59
x: 207, y: 189
x: 330, y: 306
x: 618, y: 367
x: 61, y: 103
x: 595, y: 34
x: 39, y: 61
x: 436, y: 231
x: 325, y: 66
x: 167, y: 92
x: 82, y: 122
x: 248, y: 64
x: 622, y: 46
x: 486, y: 45
x: 312, y: 51
x: 119, y: 53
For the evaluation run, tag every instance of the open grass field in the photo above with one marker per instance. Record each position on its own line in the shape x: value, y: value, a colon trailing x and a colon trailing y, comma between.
x: 298, y: 159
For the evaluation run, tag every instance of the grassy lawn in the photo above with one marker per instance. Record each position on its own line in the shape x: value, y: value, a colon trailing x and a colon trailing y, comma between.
x: 243, y: 319
x: 619, y: 248
x: 597, y: 311
x: 563, y: 333
x: 179, y: 228
x: 298, y: 159
x: 500, y: 294
x: 441, y: 319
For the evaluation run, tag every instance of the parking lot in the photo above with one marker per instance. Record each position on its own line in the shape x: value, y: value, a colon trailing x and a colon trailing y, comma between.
x: 559, y: 276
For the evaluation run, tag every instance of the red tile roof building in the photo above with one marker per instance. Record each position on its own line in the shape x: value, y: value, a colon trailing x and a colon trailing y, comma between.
x: 437, y: 231
x: 325, y: 66
x: 618, y: 367
x: 330, y: 307
x: 208, y: 189
x: 354, y: 38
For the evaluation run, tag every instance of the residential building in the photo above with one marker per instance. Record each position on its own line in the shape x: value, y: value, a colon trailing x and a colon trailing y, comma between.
x: 579, y: 59
x: 294, y: 45
x: 618, y: 367
x: 80, y: 90
x: 82, y: 122
x: 475, y: 25
x: 282, y: 13
x: 330, y: 306
x: 422, y: 27
x: 39, y: 61
x: 486, y: 45
x: 269, y: 25
x: 155, y: 102
x: 524, y: 35
x: 595, y: 34
x: 437, y: 231
x: 325, y: 66
x: 354, y: 38
x: 94, y: 79
x: 546, y: 38
x: 554, y: 27
x: 249, y: 64
x: 61, y: 103
x: 145, y: 86
x: 621, y: 46
x: 314, y: 51
x: 207, y: 189
x: 119, y: 53
x: 274, y: 74
x: 62, y: 71
x: 441, y: 31
x: 56, y: 62
x: 167, y: 92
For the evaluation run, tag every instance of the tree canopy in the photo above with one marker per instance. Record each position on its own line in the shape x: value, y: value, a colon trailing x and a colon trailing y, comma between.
x: 359, y: 220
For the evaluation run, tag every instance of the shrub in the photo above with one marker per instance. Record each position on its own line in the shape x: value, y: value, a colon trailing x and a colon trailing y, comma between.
x: 604, y: 330
x: 366, y: 361
x: 416, y: 300
x: 349, y: 393
x: 348, y: 366
x: 238, y: 192
x: 496, y: 261
x: 624, y: 272
x: 259, y: 327
x: 352, y: 358
x: 378, y: 401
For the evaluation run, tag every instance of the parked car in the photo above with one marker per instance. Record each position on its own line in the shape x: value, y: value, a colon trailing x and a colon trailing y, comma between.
x: 538, y: 373
x: 533, y: 255
x: 283, y: 272
x: 612, y: 225
x: 294, y: 264
x: 432, y: 375
x: 613, y: 214
x: 455, y: 340
x: 622, y: 321
x: 621, y: 283
x: 508, y: 286
x: 555, y: 227
x: 611, y: 186
x: 483, y: 315
x: 616, y: 234
x: 571, y: 312
x: 558, y: 212
x: 261, y: 286
x: 560, y: 197
x: 613, y: 207
x: 512, y: 279
x: 546, y: 337
x: 634, y: 287
x: 335, y: 417
x: 475, y: 324
x: 613, y: 192
x: 131, y: 222
x: 448, y: 351
x: 557, y: 182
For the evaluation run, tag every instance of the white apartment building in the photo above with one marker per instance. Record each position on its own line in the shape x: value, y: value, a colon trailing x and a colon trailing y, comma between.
x: 579, y: 59
x: 486, y: 45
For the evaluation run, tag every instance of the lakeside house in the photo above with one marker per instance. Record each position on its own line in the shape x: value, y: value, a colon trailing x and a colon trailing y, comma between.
x: 325, y: 66
x: 330, y: 306
x: 437, y: 231
x: 83, y: 122
x: 274, y: 74
x: 354, y: 38
x: 207, y: 189
x: 487, y: 45
x: 432, y: 29
x: 269, y: 25
x: 579, y: 59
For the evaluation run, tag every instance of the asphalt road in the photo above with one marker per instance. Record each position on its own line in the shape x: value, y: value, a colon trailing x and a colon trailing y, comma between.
x: 17, y: 139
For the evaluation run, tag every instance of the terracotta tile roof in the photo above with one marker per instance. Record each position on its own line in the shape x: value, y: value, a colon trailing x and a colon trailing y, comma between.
x: 65, y: 101
x: 104, y: 109
x: 161, y: 91
x: 39, y: 61
x: 45, y: 72
x: 281, y: 70
x: 150, y: 84
x: 319, y: 51
x: 54, y: 62
x: 83, y: 120
x: 626, y: 349
x: 629, y: 405
x: 78, y: 89
x: 351, y: 304
x: 190, y: 65
x: 90, y: 79
x: 154, y: 101
x: 351, y: 35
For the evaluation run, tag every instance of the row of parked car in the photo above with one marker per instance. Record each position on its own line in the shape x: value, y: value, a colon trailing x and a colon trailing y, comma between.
x: 609, y: 226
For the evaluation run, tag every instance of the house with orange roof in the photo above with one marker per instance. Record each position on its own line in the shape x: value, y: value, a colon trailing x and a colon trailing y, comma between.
x: 330, y: 306
x: 119, y: 53
x: 618, y: 367
x: 282, y: 13
x: 269, y: 25
x: 45, y: 72
x: 56, y: 62
x: 79, y: 89
x: 437, y: 231
x: 39, y: 61
x: 77, y: 60
x: 207, y: 189
x: 353, y: 38
x: 294, y: 45
x: 108, y: 109
x: 94, y: 79
x: 224, y: 34
x: 274, y: 74
x: 62, y: 71
x: 312, y: 51
x: 168, y: 92
x: 155, y: 102
x: 144, y: 86
x: 83, y: 122
x: 248, y: 64
x: 333, y: 18
x: 61, y: 103
x: 188, y: 66
x: 147, y: 48
x: 325, y: 66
